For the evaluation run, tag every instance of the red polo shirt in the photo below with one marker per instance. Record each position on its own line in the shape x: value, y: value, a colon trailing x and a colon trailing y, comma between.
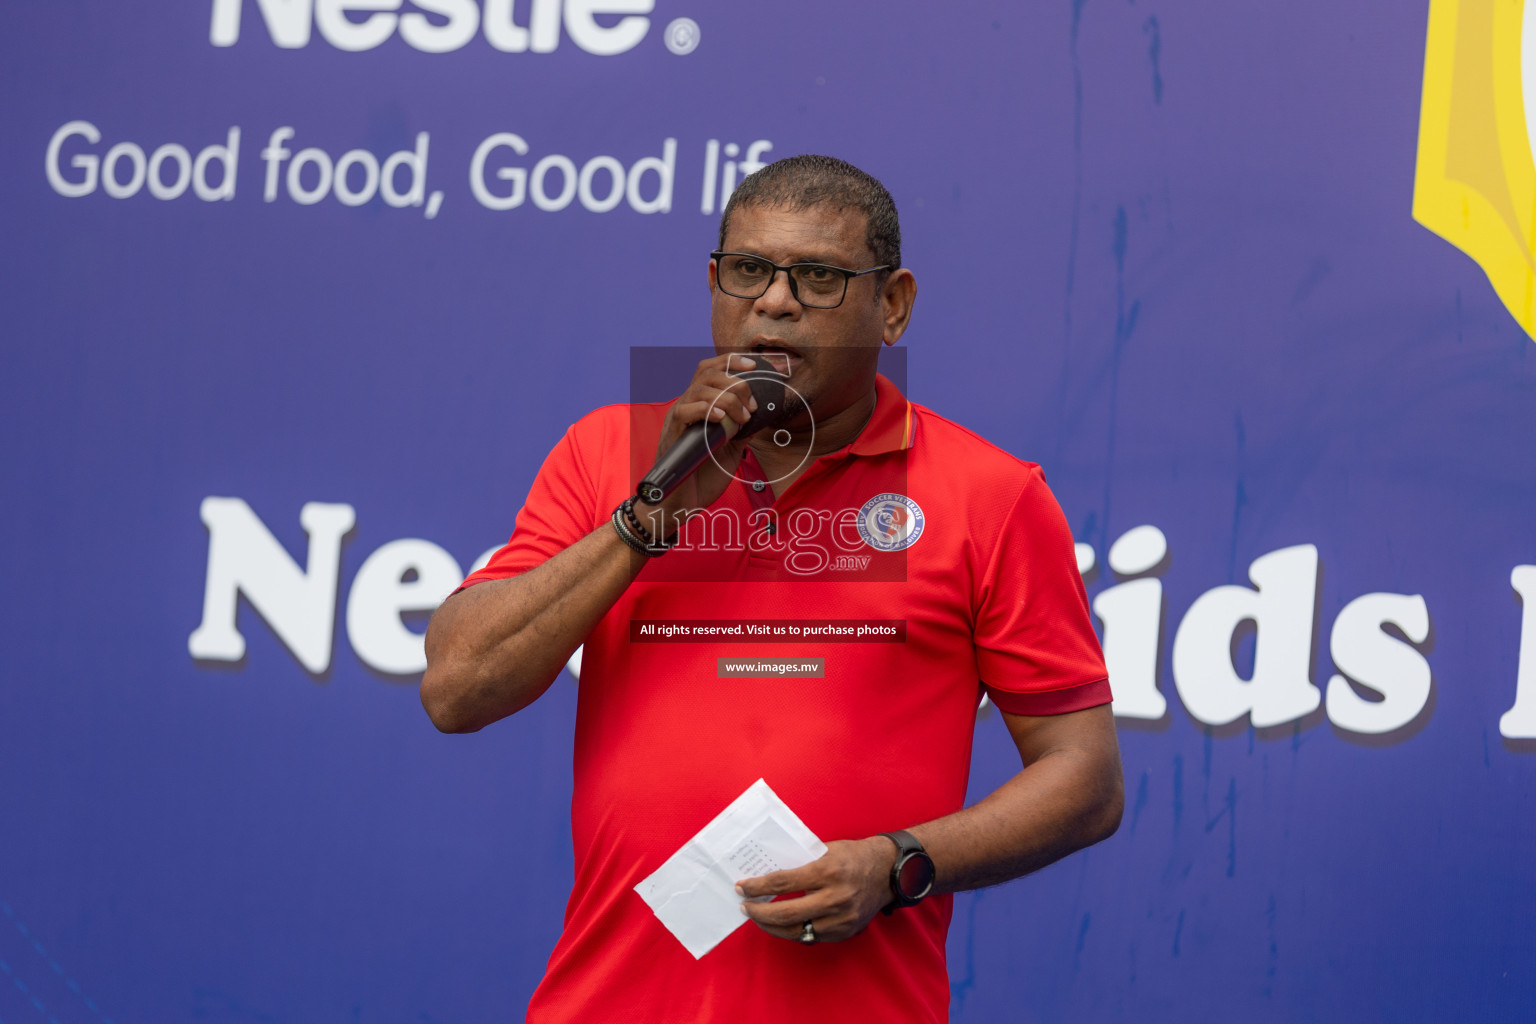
x: 918, y: 526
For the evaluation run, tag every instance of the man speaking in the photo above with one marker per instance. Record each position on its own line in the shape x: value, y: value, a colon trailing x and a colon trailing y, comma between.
x: 959, y: 565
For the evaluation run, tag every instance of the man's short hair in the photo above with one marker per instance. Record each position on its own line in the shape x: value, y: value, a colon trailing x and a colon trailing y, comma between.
x: 805, y: 182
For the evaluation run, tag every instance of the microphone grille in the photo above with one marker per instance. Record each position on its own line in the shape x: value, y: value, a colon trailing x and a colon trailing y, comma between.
x: 768, y: 387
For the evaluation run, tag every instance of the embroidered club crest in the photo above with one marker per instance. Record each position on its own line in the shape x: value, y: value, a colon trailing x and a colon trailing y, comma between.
x: 890, y: 522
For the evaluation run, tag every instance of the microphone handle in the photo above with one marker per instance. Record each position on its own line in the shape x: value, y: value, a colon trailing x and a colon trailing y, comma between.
x: 701, y: 440
x: 698, y: 442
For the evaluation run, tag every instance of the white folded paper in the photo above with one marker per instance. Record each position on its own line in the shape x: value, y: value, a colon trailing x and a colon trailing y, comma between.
x: 694, y: 892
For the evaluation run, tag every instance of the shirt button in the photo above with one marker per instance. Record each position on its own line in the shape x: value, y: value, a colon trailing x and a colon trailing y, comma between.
x: 758, y: 485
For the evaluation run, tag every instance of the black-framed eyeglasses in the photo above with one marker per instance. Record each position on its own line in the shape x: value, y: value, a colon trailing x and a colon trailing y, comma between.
x: 817, y: 285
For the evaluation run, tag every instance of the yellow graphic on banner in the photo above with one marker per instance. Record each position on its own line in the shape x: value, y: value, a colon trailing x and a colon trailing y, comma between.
x: 1475, y: 184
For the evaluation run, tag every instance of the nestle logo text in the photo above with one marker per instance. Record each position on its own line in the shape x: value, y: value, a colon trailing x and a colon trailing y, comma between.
x: 440, y: 26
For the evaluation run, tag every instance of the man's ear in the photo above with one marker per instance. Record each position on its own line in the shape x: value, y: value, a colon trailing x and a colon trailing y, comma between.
x: 896, y: 300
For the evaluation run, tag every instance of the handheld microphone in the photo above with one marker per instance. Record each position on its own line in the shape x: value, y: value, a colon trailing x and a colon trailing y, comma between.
x: 703, y: 439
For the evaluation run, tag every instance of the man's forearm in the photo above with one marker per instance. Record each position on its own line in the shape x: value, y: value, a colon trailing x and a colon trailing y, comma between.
x: 494, y: 648
x: 1067, y: 797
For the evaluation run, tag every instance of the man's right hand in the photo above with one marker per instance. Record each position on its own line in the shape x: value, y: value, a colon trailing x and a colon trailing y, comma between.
x: 720, y: 396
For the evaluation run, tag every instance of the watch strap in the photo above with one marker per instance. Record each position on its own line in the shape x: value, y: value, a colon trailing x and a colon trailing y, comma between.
x: 905, y: 841
x: 906, y: 845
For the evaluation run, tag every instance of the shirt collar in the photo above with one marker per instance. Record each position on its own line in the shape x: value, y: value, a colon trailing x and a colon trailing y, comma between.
x: 890, y: 426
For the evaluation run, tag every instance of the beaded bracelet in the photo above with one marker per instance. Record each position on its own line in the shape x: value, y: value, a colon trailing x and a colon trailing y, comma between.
x: 632, y: 533
x: 630, y: 540
x: 639, y: 529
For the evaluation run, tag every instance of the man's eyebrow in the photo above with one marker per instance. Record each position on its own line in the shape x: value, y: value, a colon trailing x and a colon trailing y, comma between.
x: 829, y: 260
x: 835, y: 261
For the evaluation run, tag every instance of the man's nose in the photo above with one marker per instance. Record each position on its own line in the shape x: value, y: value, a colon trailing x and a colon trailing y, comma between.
x: 779, y: 299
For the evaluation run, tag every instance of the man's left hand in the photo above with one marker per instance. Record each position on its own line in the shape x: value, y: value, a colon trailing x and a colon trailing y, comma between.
x: 842, y: 891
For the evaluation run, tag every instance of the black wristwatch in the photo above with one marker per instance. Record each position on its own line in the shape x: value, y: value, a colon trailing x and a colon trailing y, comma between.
x: 911, y: 875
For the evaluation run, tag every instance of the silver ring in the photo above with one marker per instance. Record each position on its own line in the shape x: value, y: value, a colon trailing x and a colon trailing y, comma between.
x: 808, y: 933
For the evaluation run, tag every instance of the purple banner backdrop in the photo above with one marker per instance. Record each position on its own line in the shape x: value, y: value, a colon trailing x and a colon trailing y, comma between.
x: 261, y: 401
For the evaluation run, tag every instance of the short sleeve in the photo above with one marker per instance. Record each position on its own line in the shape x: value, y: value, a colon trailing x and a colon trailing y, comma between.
x: 1035, y: 645
x: 559, y: 512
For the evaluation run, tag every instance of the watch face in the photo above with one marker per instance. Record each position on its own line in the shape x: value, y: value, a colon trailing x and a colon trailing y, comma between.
x: 915, y: 876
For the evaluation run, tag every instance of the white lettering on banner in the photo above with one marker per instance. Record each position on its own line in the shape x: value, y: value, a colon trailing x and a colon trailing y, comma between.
x: 85, y: 161
x: 498, y: 177
x: 338, y: 177
x: 381, y: 592
x: 244, y: 558
x: 727, y: 175
x: 344, y: 33
x: 1132, y: 614
x: 108, y: 170
x: 370, y: 167
x: 109, y: 163
x: 463, y: 18
x: 516, y: 175
x: 600, y: 184
x: 541, y: 36
x: 157, y: 186
x: 1386, y: 665
x: 302, y: 159
x: 287, y: 21
x: 414, y: 575
x: 1519, y: 722
x: 1282, y: 607
x: 539, y: 189
x: 1086, y: 559
x: 582, y: 26
x: 228, y: 157
x: 357, y: 25
x: 274, y: 155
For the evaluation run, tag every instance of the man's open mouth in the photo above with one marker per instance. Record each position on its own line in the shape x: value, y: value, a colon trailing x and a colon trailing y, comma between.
x: 784, y: 359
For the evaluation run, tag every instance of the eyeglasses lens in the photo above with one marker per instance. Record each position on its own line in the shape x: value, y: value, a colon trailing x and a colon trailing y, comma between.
x: 815, y: 285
